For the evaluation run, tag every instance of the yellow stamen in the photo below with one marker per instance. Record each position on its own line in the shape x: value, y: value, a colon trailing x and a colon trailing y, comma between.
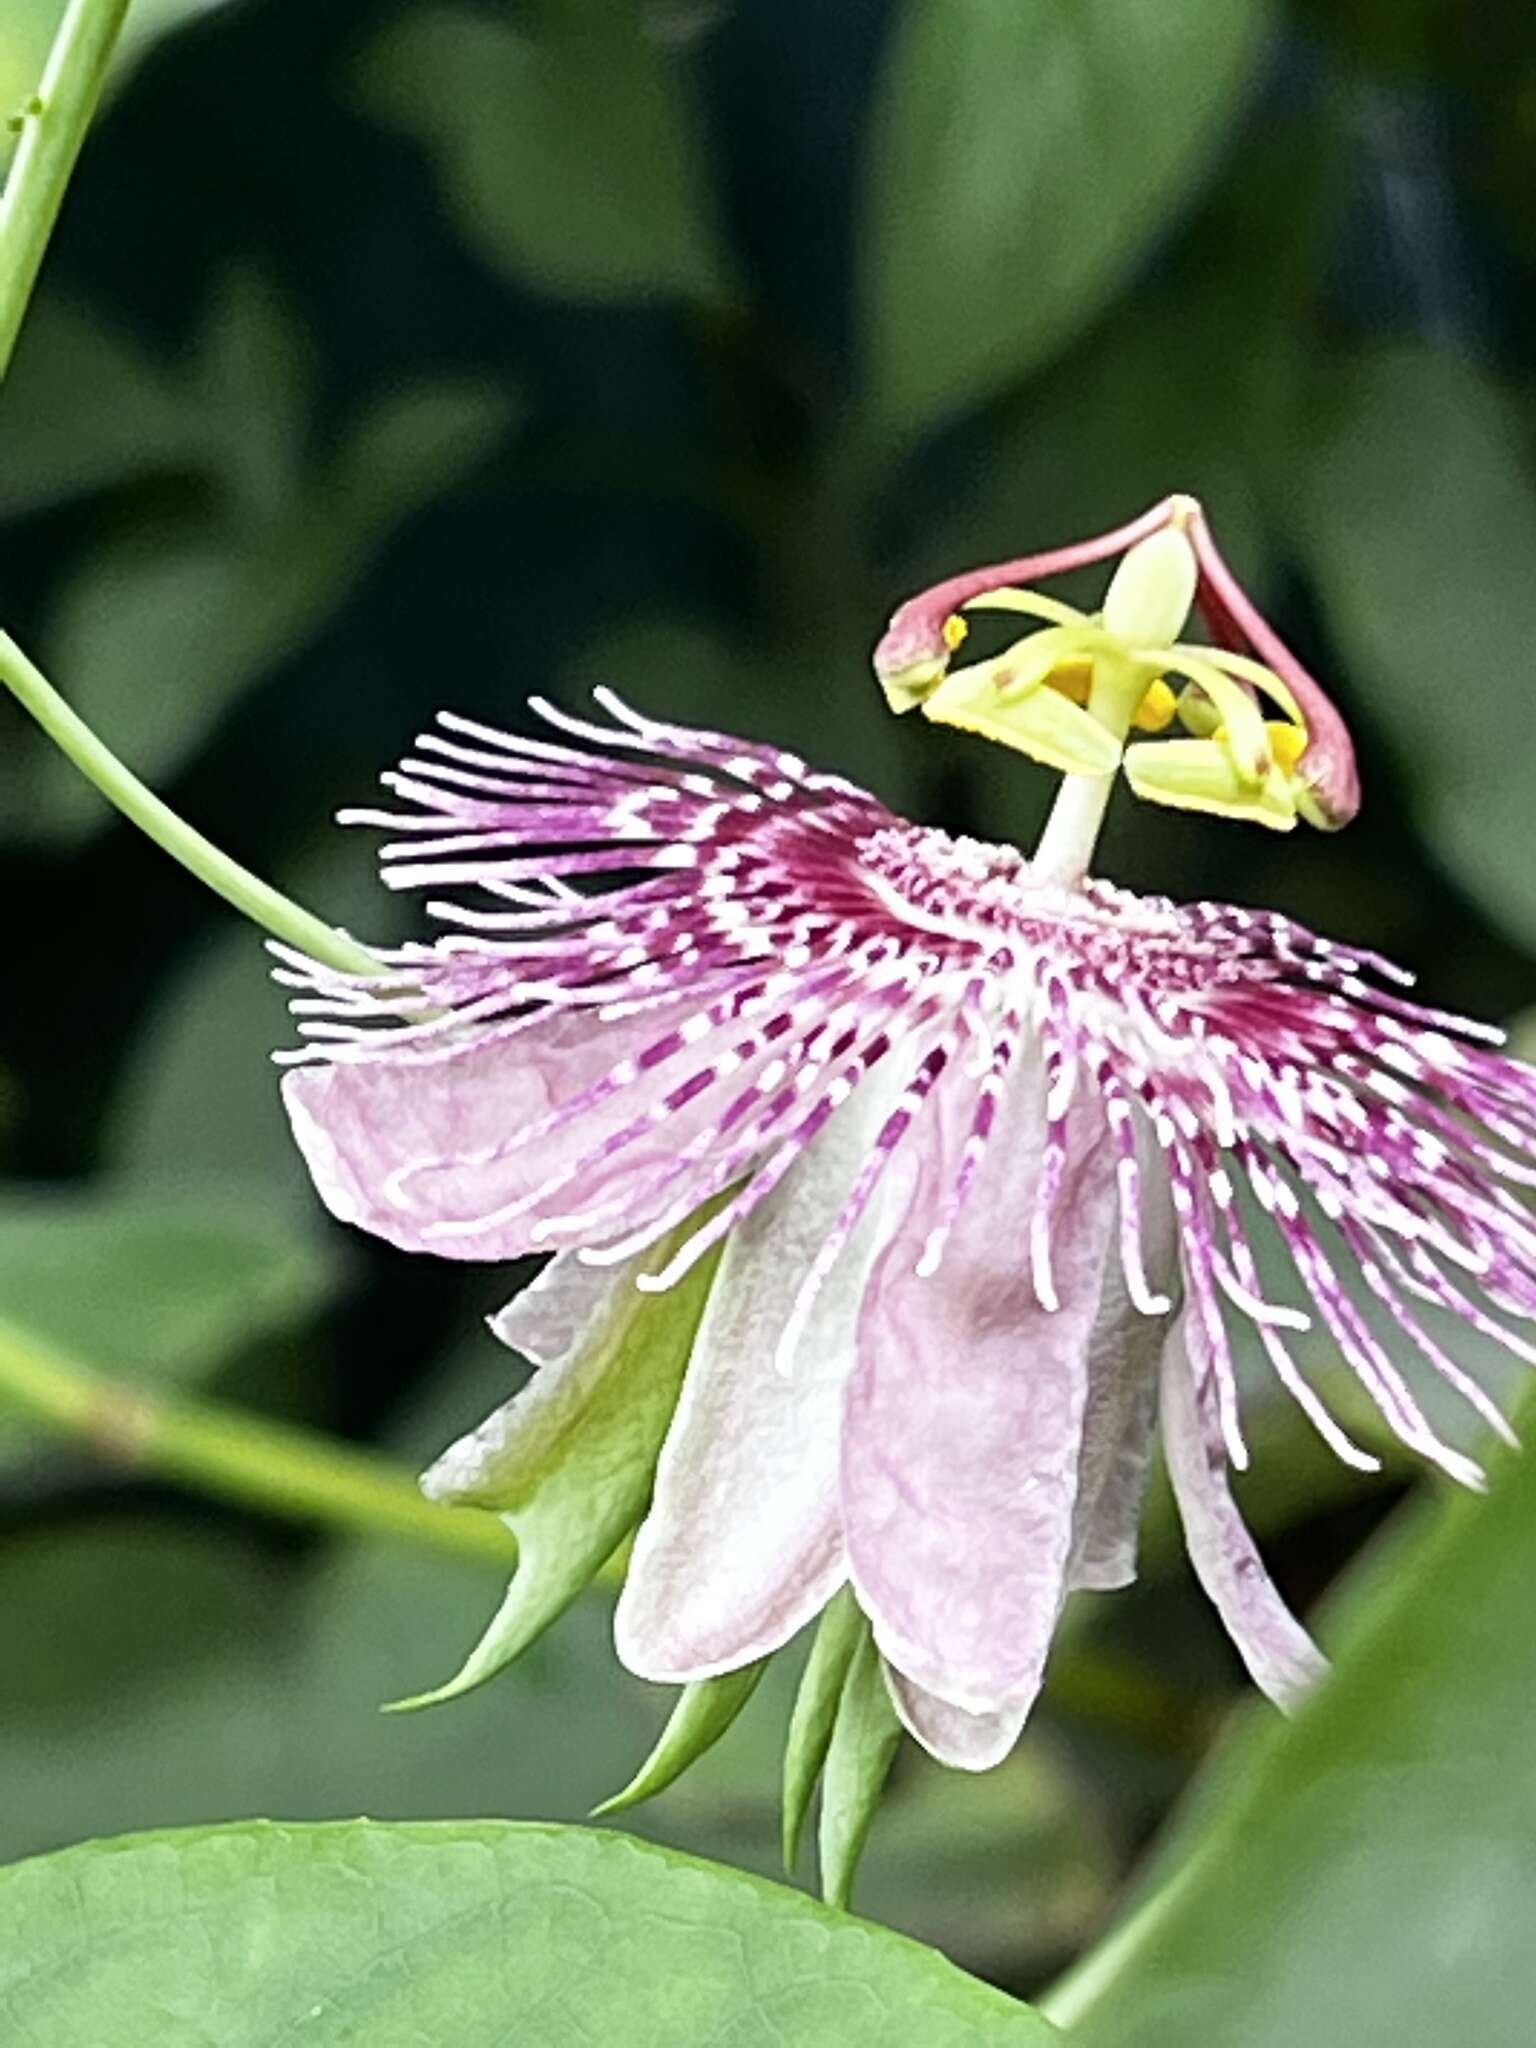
x: 1288, y: 741
x: 955, y: 631
x: 1074, y: 679
x: 1155, y: 712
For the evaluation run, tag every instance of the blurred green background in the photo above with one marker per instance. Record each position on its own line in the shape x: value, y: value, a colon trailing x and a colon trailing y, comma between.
x: 396, y: 356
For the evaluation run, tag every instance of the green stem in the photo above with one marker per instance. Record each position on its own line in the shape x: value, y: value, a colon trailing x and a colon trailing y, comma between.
x: 272, y: 1466
x: 53, y: 128
x: 257, y: 899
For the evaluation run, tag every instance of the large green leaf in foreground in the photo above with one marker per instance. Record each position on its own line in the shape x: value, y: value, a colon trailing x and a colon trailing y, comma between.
x: 1365, y: 1877
x: 473, y: 1933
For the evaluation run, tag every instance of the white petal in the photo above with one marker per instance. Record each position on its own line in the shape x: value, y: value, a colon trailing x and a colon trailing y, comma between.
x: 556, y: 1311
x: 1281, y: 1657
x: 1122, y: 1402
x: 743, y: 1543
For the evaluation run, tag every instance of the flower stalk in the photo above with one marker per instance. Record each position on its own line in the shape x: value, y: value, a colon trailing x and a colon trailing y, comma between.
x: 253, y: 898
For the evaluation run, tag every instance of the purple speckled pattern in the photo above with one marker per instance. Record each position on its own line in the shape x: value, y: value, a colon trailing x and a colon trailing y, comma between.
x: 975, y: 1144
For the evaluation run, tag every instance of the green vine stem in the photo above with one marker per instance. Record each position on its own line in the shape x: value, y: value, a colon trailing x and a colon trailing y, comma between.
x: 256, y: 899
x: 273, y: 1466
x: 52, y: 127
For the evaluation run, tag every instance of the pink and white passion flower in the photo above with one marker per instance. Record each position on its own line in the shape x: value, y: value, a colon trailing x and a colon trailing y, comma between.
x: 899, y: 1184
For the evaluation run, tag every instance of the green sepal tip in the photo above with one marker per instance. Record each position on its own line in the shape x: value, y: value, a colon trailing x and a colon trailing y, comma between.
x: 865, y: 1736
x: 838, y: 1635
x: 569, y: 1462
x: 702, y: 1714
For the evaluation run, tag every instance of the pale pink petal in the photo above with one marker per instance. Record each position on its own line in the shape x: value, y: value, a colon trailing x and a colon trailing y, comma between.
x: 963, y: 1424
x: 423, y: 1149
x: 743, y: 1544
x: 1122, y: 1404
x: 555, y: 1313
x: 1281, y: 1657
x: 970, y: 1742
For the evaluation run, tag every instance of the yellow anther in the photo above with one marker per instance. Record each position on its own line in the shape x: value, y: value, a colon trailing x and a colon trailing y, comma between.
x: 1074, y: 679
x: 1288, y: 742
x: 955, y: 631
x: 1155, y: 712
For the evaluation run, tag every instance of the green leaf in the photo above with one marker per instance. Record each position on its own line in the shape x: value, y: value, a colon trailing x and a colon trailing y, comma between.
x: 563, y: 148
x: 167, y: 623
x: 82, y: 408
x: 467, y: 1932
x: 161, y: 1284
x: 1361, y: 1877
x: 475, y: 1933
x: 1419, y: 524
x: 155, y: 1285
x: 1025, y: 154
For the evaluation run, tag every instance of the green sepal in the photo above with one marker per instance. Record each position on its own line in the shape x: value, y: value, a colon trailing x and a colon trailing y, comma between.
x: 838, y: 1634
x: 703, y: 1712
x: 575, y: 1481
x: 865, y: 1736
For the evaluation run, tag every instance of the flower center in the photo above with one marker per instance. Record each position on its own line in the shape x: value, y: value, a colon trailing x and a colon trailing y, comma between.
x: 1071, y: 690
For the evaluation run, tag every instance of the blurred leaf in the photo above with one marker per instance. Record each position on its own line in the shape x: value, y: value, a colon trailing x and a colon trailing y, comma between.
x: 199, y: 1092
x: 160, y: 1677
x: 250, y: 383
x: 1025, y: 153
x: 1418, y: 517
x: 563, y: 147
x: 400, y: 1933
x: 161, y: 1284
x: 1007, y: 1869
x: 1361, y: 1877
x: 154, y: 1285
x: 83, y: 408
x: 164, y: 627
